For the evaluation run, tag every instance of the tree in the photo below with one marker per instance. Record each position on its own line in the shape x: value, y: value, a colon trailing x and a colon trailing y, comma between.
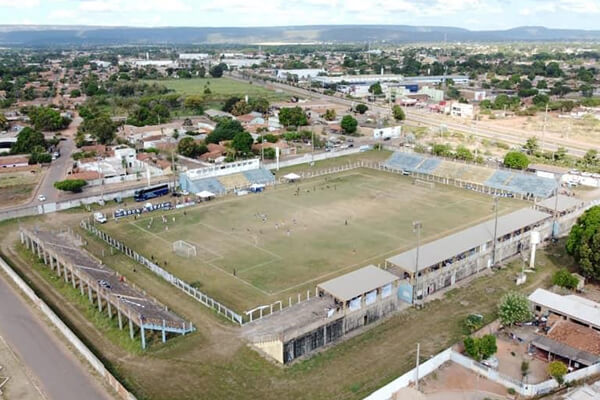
x: 330, y: 114
x: 70, y: 185
x: 516, y: 160
x: 226, y: 129
x: 531, y: 145
x: 349, y: 124
x: 441, y: 150
x: 27, y: 140
x: 241, y: 108
x: 189, y: 148
x: 591, y: 157
x: 375, y: 89
x: 524, y: 368
x: 217, y: 70
x: 229, y: 103
x: 481, y: 348
x: 583, y: 243
x: 361, y: 108
x: 398, y: 113
x: 557, y: 370
x: 47, y: 119
x: 101, y: 127
x: 560, y: 153
x: 513, y: 308
x: 242, y: 143
x: 564, y: 278
x: 462, y: 153
x: 195, y: 103
x: 75, y: 93
x: 540, y: 100
x: 292, y: 116
x: 260, y: 105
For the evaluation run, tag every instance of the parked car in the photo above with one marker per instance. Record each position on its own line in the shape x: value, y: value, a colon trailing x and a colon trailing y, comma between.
x: 41, y: 197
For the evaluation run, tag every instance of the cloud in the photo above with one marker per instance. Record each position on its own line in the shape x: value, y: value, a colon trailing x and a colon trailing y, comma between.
x: 19, y: 3
x: 118, y: 6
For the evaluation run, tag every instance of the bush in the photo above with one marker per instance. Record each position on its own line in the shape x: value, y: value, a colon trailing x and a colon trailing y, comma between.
x: 564, y: 278
x: 481, y: 348
x: 516, y: 160
x: 70, y: 185
x: 557, y: 370
x: 513, y: 308
x: 349, y: 124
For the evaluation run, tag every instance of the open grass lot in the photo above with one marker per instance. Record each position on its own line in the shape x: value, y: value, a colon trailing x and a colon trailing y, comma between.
x: 213, y: 363
x: 16, y: 187
x: 261, y: 248
x: 221, y: 88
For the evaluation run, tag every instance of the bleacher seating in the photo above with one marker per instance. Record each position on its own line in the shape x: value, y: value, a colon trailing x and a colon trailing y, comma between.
x: 197, y: 186
x: 477, y: 174
x: 519, y: 182
x: 512, y: 181
x: 404, y: 161
x: 259, y: 176
x: 234, y: 181
x: 448, y: 169
x: 428, y: 165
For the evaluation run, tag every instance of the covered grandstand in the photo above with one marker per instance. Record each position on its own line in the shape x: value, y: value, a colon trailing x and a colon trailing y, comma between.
x: 447, y: 260
x: 225, y: 178
x: 510, y: 181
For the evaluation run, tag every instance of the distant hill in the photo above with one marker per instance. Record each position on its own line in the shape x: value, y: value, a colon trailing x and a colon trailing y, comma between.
x: 46, y: 35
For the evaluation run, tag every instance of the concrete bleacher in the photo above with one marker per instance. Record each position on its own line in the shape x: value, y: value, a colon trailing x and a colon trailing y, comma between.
x: 259, y: 176
x: 197, y: 186
x: 404, y: 161
x: 511, y: 181
x: 477, y: 174
x: 448, y: 169
x: 522, y: 183
x: 234, y: 181
x: 428, y: 165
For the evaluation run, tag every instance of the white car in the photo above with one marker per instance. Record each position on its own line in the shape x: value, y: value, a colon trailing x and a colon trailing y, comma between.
x: 41, y: 197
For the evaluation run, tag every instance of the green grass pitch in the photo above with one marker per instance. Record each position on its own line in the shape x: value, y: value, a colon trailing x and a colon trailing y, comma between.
x: 257, y: 249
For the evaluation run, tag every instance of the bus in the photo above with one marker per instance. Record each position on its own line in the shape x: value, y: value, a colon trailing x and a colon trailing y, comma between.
x: 151, y: 192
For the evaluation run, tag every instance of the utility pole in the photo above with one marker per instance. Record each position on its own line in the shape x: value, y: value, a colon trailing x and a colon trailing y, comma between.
x: 417, y: 366
x: 495, y: 231
x: 417, y: 226
x: 544, y: 130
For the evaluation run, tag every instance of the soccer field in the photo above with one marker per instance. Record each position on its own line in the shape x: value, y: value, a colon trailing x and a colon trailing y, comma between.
x: 260, y: 248
x: 221, y: 88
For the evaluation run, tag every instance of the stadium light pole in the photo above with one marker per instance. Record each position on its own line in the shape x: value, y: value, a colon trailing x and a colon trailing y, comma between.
x: 417, y: 226
x: 495, y: 230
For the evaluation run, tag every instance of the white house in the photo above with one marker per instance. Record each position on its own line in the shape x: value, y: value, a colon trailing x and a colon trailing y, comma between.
x: 461, y: 110
x: 390, y: 132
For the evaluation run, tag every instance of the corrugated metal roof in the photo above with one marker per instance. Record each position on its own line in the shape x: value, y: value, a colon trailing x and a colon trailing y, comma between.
x: 564, y: 203
x: 573, y: 306
x: 349, y: 286
x: 443, y: 249
x: 563, y: 350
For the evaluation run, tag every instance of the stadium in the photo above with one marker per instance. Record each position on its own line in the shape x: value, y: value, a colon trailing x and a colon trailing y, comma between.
x: 333, y: 251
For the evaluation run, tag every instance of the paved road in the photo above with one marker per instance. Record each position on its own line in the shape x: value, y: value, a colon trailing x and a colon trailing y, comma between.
x: 61, y: 375
x: 510, y: 135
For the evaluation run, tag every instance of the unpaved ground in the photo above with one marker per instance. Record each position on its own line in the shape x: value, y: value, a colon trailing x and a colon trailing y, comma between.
x: 511, y: 365
x: 451, y: 381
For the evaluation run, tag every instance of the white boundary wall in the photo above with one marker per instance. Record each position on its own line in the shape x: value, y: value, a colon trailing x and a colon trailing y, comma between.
x: 223, y: 169
x: 94, y: 362
x: 310, y: 158
x: 386, y: 392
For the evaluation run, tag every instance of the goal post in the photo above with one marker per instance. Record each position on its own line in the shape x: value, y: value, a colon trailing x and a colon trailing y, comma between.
x: 184, y: 249
x: 427, y: 184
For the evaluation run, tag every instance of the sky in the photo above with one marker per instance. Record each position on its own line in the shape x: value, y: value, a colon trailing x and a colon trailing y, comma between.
x: 470, y: 14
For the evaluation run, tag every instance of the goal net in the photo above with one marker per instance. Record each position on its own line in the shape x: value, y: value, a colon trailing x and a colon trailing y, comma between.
x: 420, y: 182
x: 184, y: 249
